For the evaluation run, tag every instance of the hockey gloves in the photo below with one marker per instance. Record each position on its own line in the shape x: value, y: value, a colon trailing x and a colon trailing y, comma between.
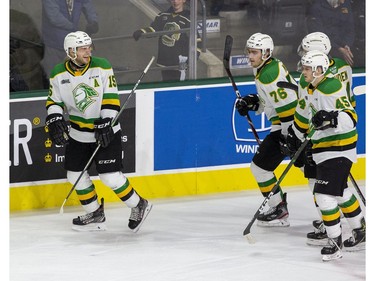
x: 292, y: 141
x: 244, y: 104
x: 57, y: 128
x: 308, y: 154
x: 323, y: 119
x: 137, y: 34
x: 103, y: 131
x: 284, y: 146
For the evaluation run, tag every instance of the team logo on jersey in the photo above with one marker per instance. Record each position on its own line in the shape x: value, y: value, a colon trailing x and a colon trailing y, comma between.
x: 83, y: 96
x: 170, y: 39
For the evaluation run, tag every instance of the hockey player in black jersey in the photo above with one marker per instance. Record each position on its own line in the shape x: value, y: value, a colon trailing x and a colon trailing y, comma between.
x: 173, y: 49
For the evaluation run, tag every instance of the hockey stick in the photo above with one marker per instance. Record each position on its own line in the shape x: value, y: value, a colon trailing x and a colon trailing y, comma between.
x: 284, y: 84
x: 246, y: 232
x: 226, y: 58
x: 357, y: 189
x: 112, y: 124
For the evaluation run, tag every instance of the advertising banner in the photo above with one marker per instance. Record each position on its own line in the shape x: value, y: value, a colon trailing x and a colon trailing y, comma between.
x: 33, y: 156
x: 200, y: 127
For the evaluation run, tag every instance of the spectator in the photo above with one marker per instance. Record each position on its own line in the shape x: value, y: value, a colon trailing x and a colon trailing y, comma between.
x: 173, y: 48
x: 60, y: 17
x: 359, y: 48
x: 26, y: 52
x: 330, y: 16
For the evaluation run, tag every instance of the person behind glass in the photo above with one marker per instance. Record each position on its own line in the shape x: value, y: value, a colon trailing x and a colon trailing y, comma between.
x: 279, y: 105
x: 85, y: 87
x: 60, y: 17
x: 329, y: 112
x: 334, y: 18
x: 173, y: 49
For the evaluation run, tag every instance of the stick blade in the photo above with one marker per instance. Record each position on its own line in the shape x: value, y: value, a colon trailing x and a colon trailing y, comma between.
x: 62, y: 208
x: 227, y: 50
x: 250, y: 238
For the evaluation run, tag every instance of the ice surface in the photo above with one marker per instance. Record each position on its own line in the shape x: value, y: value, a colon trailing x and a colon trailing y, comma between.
x: 192, y: 238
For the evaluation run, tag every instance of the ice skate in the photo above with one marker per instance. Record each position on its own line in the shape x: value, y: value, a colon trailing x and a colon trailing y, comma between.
x: 333, y: 249
x: 275, y: 216
x: 318, y: 237
x: 358, y: 240
x: 139, y: 214
x: 94, y: 221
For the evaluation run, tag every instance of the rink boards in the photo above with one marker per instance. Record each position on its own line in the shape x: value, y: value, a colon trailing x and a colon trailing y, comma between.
x: 178, y: 141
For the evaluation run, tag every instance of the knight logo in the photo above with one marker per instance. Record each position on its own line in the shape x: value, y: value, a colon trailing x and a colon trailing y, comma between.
x: 83, y: 96
x: 242, y: 130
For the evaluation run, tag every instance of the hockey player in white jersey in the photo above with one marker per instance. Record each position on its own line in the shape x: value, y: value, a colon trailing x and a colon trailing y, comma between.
x: 278, y: 104
x: 340, y: 69
x: 325, y: 107
x: 85, y: 87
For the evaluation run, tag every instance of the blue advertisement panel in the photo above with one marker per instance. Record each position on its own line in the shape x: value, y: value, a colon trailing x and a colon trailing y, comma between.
x: 200, y: 127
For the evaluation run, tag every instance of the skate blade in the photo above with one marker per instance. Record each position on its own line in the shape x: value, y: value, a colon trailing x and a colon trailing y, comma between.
x: 321, y: 242
x: 274, y: 223
x: 335, y: 256
x: 90, y: 227
x: 147, y: 211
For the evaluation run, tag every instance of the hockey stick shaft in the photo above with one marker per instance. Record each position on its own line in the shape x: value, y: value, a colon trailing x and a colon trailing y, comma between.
x: 226, y: 58
x: 357, y: 189
x: 112, y: 124
x: 284, y: 84
x: 277, y: 184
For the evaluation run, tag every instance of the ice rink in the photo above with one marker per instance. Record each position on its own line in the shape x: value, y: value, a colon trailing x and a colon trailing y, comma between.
x: 190, y: 238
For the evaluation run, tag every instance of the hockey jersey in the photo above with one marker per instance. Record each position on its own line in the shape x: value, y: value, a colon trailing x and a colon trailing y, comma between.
x: 86, y: 95
x: 277, y: 103
x: 170, y: 46
x: 330, y: 94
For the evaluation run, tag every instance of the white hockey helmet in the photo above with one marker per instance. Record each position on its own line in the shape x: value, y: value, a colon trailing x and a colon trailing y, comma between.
x: 76, y: 39
x: 262, y: 42
x: 315, y: 41
x: 315, y: 59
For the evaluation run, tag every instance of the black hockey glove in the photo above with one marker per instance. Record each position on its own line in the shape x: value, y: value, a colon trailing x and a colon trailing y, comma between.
x: 103, y: 131
x: 137, y: 34
x: 283, y: 146
x: 323, y: 119
x: 57, y: 128
x: 244, y: 104
x: 308, y: 154
x: 292, y: 141
x: 92, y: 28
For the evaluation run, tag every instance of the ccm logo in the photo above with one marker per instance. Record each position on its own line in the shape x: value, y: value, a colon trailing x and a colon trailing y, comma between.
x: 322, y: 182
x: 110, y: 161
x: 50, y: 121
x: 101, y: 126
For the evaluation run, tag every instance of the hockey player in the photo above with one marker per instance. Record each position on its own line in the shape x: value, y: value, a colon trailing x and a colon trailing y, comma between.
x: 173, y: 49
x: 341, y: 70
x: 86, y: 88
x: 325, y: 106
x: 279, y: 105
